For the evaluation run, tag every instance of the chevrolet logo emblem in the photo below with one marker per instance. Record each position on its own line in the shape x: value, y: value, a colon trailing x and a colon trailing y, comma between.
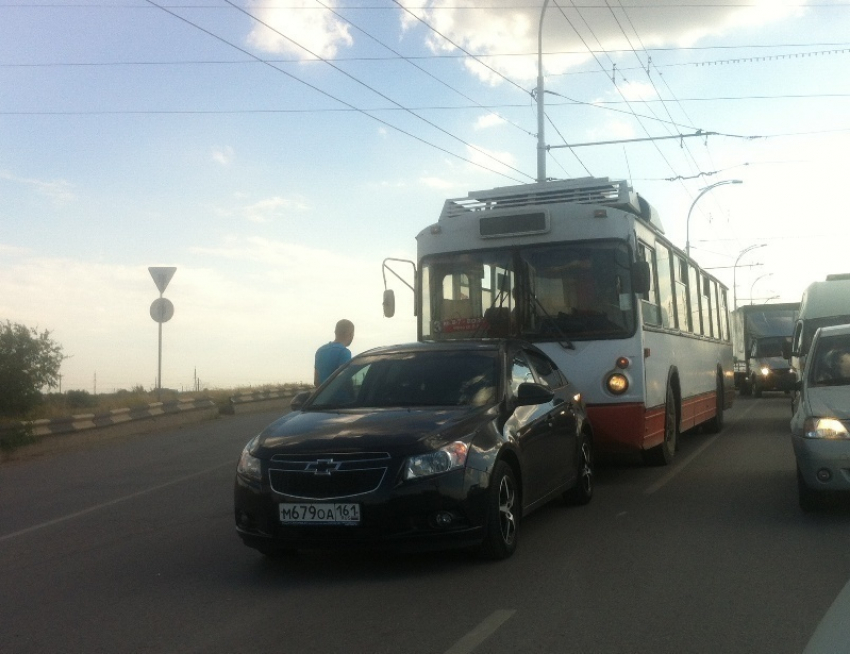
x: 322, y: 467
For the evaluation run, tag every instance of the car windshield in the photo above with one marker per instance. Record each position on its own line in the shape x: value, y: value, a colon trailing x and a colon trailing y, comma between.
x: 413, y: 379
x: 770, y: 347
x: 832, y: 361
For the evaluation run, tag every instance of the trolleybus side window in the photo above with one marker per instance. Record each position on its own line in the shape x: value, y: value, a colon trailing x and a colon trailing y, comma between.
x: 665, y: 286
x: 693, y: 288
x: 683, y: 315
x: 724, y: 315
x: 709, y: 326
x: 649, y: 300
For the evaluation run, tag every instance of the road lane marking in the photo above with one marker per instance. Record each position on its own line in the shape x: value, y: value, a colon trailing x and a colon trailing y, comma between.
x: 481, y: 633
x: 833, y: 633
x: 681, y: 466
x: 118, y: 500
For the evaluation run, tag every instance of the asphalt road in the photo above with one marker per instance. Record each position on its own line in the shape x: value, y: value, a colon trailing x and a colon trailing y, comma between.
x: 129, y: 547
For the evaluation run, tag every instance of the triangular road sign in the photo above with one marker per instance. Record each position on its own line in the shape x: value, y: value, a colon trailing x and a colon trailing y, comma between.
x: 161, y: 276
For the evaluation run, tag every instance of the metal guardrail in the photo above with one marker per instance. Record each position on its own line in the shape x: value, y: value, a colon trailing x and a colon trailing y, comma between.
x: 81, y: 422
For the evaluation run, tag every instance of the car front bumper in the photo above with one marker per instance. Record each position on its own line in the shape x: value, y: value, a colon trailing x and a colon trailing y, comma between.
x: 394, y: 516
x: 823, y: 463
x: 777, y: 380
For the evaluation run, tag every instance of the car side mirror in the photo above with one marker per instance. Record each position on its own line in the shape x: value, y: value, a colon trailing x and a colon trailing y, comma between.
x: 641, y: 277
x: 389, y: 303
x: 529, y: 393
x: 299, y: 400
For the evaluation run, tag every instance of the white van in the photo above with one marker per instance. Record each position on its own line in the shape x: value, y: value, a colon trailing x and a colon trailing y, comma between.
x: 820, y: 423
x: 824, y: 303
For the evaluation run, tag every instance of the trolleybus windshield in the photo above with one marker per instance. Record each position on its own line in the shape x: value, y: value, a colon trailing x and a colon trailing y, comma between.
x: 578, y: 290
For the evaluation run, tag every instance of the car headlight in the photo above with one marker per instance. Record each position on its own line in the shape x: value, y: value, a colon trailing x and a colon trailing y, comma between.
x: 249, y: 466
x: 824, y: 428
x: 765, y: 371
x: 447, y: 458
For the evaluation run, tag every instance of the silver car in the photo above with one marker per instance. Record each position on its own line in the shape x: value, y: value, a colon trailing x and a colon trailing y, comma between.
x: 819, y: 427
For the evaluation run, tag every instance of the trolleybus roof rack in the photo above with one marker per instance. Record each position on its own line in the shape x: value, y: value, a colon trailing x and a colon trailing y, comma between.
x: 585, y: 190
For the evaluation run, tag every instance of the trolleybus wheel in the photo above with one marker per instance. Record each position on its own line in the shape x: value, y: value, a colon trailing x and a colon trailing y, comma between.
x: 714, y: 425
x: 661, y: 455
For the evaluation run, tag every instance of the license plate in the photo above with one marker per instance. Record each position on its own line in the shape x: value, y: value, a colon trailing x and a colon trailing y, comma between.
x: 324, y: 514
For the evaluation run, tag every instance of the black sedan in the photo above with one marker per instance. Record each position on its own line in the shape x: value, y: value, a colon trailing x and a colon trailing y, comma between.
x: 421, y: 446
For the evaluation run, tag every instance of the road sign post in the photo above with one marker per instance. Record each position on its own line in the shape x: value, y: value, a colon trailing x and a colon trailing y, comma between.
x: 162, y: 310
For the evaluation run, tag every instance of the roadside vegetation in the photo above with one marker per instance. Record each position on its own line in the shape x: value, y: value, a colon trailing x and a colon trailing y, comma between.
x: 29, y: 371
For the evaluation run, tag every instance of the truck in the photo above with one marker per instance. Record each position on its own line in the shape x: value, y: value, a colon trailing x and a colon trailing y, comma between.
x: 761, y: 334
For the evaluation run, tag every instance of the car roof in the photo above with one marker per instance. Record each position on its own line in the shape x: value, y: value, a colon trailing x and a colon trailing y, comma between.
x: 478, y: 345
x: 834, y: 330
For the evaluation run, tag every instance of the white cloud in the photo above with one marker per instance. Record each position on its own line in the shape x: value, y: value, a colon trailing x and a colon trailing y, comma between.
x: 492, y: 159
x: 223, y: 156
x: 265, y: 211
x: 633, y: 91
x: 489, y: 120
x: 59, y: 191
x: 504, y: 28
x: 297, y: 28
x: 438, y: 182
x: 274, y: 208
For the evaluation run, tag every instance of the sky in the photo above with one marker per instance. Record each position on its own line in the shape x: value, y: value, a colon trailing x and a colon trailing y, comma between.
x: 275, y: 152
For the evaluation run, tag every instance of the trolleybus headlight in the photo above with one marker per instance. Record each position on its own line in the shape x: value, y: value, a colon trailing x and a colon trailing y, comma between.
x: 617, y: 383
x: 622, y: 363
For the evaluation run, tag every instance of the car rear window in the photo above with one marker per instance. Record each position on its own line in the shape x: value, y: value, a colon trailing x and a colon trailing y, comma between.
x: 417, y: 379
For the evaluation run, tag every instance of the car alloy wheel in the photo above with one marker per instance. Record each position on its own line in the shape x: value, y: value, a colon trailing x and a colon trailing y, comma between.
x: 502, y: 514
x: 582, y: 492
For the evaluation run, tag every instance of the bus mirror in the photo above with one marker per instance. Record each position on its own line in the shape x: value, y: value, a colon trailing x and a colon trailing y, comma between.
x: 641, y: 276
x: 389, y: 303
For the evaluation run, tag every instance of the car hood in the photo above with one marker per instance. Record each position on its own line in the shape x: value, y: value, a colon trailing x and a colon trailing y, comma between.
x: 828, y: 402
x: 389, y: 430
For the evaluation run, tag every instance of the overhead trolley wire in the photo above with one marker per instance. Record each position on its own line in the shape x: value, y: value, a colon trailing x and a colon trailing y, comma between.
x: 376, y: 91
x: 633, y: 113
x: 468, y: 54
x: 420, y: 68
x: 323, y: 92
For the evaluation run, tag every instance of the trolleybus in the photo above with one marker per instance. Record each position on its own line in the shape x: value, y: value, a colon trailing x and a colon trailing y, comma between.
x: 582, y: 269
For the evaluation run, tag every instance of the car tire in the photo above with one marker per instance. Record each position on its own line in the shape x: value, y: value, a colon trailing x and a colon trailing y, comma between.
x: 662, y: 455
x: 500, y: 540
x: 810, y: 499
x: 715, y: 425
x: 582, y: 492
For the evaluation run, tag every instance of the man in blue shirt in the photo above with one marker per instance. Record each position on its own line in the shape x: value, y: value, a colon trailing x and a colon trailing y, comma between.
x: 332, y: 355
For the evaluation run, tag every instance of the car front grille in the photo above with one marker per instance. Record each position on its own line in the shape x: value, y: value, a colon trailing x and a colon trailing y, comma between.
x: 327, y: 476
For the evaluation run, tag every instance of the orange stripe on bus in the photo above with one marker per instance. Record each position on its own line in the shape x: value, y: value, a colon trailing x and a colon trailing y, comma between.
x: 620, y: 428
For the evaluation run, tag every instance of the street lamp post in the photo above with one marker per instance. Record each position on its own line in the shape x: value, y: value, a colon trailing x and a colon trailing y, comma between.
x: 541, y: 141
x: 735, y: 271
x: 753, y: 285
x: 701, y: 193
